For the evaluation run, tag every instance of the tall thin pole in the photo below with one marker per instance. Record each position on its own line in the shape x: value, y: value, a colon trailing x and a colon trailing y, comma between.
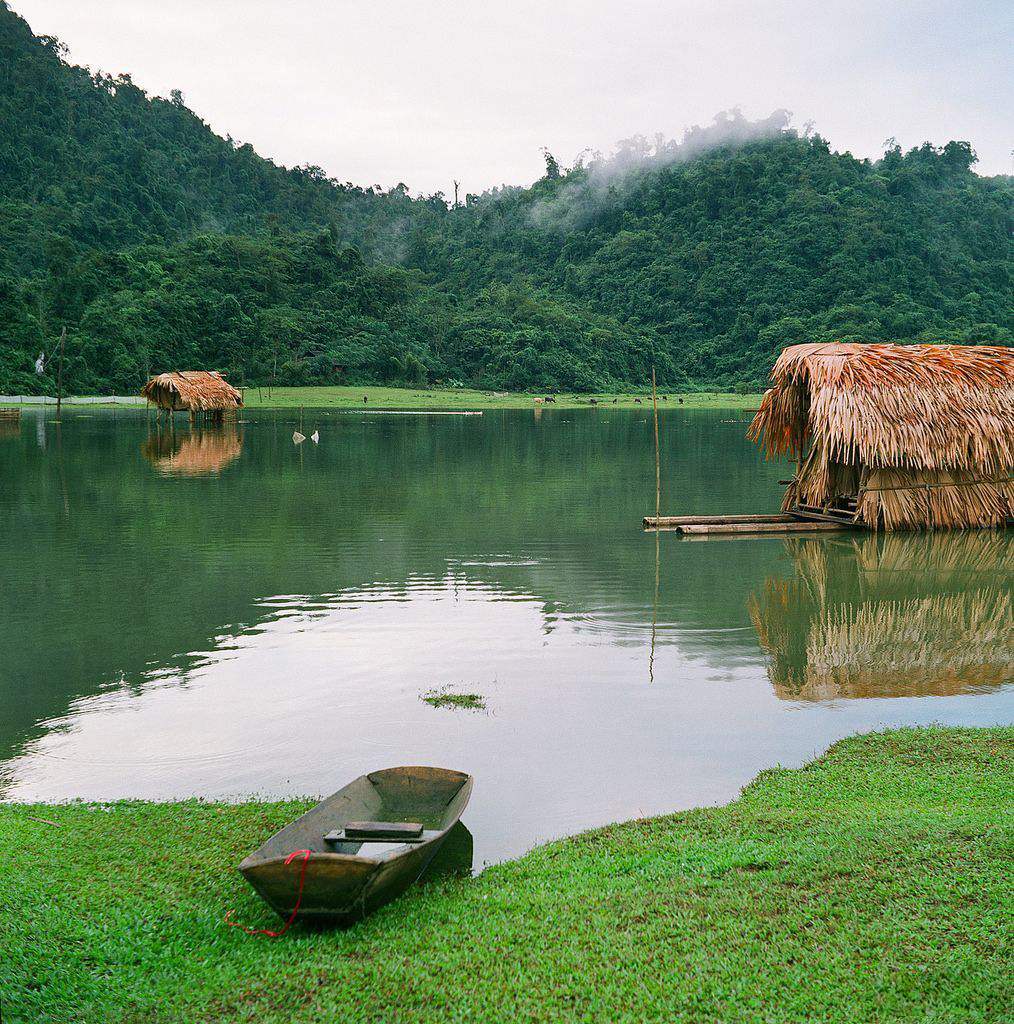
x: 59, y: 373
x: 654, y: 612
x: 658, y: 503
x: 658, y: 466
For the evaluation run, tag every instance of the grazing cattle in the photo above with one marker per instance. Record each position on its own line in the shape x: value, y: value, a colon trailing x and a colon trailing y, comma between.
x: 637, y: 401
x: 549, y: 399
x: 680, y: 400
x: 539, y: 401
x: 615, y: 400
x: 364, y: 399
x: 591, y: 401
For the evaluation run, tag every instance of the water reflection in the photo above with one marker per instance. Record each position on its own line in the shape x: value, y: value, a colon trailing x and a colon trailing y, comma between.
x: 326, y: 588
x: 203, y: 451
x: 890, y: 616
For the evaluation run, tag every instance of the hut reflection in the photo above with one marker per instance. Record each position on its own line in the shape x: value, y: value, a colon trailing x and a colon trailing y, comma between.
x: 202, y: 452
x: 890, y: 616
x: 10, y: 424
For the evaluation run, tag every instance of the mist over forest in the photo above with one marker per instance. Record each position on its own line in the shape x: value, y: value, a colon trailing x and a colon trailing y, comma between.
x: 159, y: 245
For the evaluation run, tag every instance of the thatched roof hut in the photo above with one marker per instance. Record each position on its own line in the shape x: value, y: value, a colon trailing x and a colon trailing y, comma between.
x: 895, y: 436
x: 193, y: 391
x: 889, y: 616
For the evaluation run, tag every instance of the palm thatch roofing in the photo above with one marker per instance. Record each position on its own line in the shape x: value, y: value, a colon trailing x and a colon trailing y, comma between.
x: 917, y: 435
x: 193, y: 391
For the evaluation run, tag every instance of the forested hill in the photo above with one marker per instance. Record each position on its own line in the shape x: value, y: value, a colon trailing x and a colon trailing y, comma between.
x: 158, y: 244
x: 93, y: 159
x: 730, y: 255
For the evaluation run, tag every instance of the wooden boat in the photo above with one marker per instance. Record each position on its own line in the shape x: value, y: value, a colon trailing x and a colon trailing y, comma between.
x: 368, y: 843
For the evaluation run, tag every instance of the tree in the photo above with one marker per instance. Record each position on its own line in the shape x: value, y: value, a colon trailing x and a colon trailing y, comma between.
x: 552, y: 166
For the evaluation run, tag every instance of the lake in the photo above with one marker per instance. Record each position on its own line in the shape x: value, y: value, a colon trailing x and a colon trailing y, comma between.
x: 222, y: 613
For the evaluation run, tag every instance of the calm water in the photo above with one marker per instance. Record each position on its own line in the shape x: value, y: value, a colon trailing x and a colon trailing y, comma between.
x: 226, y: 614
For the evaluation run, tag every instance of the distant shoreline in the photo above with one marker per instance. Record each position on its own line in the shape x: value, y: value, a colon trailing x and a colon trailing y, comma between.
x: 462, y: 399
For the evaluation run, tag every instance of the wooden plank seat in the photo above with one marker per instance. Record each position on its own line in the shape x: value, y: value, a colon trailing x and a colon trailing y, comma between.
x: 376, y: 831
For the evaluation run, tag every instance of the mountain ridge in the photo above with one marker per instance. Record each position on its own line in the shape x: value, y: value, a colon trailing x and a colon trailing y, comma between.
x: 155, y: 242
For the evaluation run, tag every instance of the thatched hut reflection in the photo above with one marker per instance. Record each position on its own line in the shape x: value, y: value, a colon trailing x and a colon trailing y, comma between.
x: 198, y: 453
x: 890, y: 616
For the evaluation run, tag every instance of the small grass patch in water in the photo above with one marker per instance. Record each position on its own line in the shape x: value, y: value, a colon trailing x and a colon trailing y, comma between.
x: 444, y: 697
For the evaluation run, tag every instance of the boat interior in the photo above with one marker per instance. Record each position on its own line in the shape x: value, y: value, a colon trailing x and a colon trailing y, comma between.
x: 430, y: 797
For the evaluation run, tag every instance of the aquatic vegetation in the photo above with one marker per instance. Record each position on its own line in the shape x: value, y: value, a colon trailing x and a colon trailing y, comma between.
x: 444, y: 697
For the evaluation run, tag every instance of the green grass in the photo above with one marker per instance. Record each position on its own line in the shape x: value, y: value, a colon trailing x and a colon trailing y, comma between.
x: 464, y: 399
x: 458, y: 399
x: 443, y: 697
x: 872, y: 885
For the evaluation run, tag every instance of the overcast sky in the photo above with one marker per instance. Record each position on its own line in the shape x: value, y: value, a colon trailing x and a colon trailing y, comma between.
x: 423, y: 91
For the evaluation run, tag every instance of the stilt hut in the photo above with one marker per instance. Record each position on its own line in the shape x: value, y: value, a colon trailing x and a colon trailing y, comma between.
x: 894, y: 436
x: 199, y: 392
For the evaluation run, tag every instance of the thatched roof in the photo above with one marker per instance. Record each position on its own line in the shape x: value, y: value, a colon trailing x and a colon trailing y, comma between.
x: 193, y: 390
x: 944, y: 412
x: 923, y: 406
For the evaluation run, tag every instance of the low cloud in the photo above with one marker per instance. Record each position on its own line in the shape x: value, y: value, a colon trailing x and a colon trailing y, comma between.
x: 599, y: 179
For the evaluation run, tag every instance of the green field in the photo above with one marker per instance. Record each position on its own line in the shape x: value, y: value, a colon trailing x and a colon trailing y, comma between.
x: 871, y: 885
x: 464, y: 399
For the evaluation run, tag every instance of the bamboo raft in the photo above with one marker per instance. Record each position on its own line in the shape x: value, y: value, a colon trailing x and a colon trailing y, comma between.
x: 702, y: 526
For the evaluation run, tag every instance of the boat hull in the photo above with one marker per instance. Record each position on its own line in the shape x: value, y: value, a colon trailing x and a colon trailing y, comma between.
x: 346, y: 881
x: 337, y: 890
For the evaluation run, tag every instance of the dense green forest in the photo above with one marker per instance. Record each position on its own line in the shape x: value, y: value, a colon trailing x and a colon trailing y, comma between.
x: 159, y: 245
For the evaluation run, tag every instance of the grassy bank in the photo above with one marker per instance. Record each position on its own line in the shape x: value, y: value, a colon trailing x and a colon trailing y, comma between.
x: 464, y: 399
x: 450, y: 399
x: 871, y: 885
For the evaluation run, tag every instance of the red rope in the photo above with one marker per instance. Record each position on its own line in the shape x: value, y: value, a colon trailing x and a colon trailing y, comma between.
x: 305, y: 854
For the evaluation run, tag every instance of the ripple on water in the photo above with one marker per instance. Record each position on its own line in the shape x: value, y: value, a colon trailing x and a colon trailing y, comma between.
x: 268, y: 627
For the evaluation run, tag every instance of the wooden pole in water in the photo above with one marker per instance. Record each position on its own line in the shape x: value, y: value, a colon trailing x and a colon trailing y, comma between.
x: 654, y: 614
x: 799, y: 526
x: 59, y: 373
x: 658, y: 502
x: 658, y: 467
